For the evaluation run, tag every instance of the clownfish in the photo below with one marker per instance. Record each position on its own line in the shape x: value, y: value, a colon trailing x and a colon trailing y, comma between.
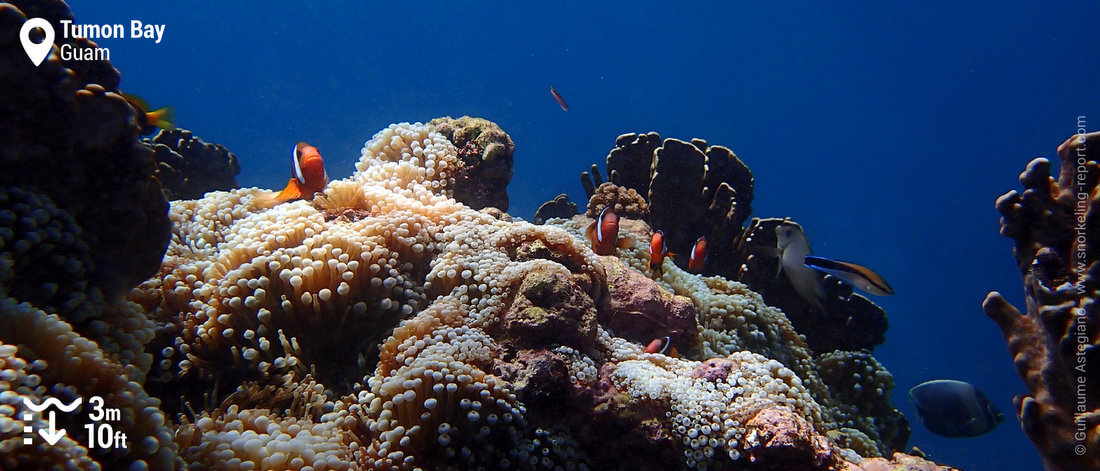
x: 148, y: 120
x: 309, y: 175
x: 698, y: 255
x: 604, y: 233
x: 657, y: 253
x: 663, y: 346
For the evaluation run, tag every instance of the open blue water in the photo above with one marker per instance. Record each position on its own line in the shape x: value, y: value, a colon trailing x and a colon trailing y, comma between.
x: 886, y: 131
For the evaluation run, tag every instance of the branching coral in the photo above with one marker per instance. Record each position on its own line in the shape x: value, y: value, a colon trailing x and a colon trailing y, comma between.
x: 1055, y: 225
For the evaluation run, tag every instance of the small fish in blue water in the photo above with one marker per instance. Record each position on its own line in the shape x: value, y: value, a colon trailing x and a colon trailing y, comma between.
x: 149, y: 120
x: 954, y: 408
x: 793, y: 249
x: 856, y: 275
x: 561, y: 101
x: 698, y: 256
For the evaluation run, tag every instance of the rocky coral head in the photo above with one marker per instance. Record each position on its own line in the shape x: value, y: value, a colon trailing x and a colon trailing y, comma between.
x: 714, y: 369
x: 639, y: 309
x: 778, y: 439
x: 550, y: 308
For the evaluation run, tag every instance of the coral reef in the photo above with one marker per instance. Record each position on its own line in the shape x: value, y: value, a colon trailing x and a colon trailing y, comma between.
x: 187, y: 167
x: 1055, y: 225
x: 402, y: 321
x: 74, y: 122
x: 485, y: 167
x: 692, y: 189
x: 465, y: 339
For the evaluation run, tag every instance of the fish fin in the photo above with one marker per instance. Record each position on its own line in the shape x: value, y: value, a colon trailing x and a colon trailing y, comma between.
x: 590, y: 233
x: 658, y: 271
x: 142, y: 105
x: 291, y: 192
x: 625, y: 243
x: 163, y: 118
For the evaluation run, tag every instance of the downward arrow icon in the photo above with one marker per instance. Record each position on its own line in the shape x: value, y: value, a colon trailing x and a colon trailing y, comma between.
x: 52, y: 436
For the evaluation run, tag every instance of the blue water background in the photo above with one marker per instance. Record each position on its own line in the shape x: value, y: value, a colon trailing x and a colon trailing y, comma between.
x: 887, y: 131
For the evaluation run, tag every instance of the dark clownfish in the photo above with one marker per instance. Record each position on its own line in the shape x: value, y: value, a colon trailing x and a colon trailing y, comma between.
x: 604, y: 233
x: 309, y: 174
x: 150, y: 120
x: 698, y: 255
x: 663, y: 346
x: 657, y: 253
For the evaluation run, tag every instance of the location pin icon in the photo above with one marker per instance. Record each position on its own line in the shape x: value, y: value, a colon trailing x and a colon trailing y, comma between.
x: 37, y: 52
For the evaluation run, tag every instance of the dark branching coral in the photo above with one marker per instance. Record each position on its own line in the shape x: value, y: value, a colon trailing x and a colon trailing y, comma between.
x: 486, y: 153
x: 187, y: 167
x: 1055, y: 224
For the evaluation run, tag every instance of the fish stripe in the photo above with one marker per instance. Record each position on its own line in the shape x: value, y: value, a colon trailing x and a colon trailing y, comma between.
x: 297, y: 166
x: 856, y: 271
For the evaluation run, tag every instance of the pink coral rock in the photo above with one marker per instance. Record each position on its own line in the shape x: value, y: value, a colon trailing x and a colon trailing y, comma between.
x: 640, y: 310
x: 713, y: 369
x: 780, y: 439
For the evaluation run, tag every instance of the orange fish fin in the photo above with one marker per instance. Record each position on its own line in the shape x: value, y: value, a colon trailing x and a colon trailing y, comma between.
x: 670, y: 254
x: 624, y: 243
x: 163, y: 118
x: 291, y: 192
x: 590, y: 233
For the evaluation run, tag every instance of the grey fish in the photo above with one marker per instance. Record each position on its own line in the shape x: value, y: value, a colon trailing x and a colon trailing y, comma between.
x: 954, y: 408
x: 793, y: 249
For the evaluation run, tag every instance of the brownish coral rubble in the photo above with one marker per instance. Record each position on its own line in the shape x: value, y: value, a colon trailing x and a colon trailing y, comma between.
x: 1055, y: 224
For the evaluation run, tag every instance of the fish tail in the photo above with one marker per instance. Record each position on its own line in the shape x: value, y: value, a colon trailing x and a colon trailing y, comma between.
x: 291, y: 192
x: 163, y: 118
x: 658, y: 270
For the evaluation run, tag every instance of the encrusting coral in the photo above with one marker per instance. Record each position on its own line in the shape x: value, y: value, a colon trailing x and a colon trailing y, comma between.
x: 1055, y: 225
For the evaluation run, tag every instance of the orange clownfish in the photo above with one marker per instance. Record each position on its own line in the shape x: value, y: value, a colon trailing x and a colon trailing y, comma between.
x: 604, y: 233
x: 309, y: 174
x: 663, y: 346
x: 698, y: 255
x: 657, y: 253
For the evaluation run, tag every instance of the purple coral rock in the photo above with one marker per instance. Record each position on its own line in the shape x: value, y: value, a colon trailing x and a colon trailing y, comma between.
x: 713, y: 369
x: 638, y: 309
